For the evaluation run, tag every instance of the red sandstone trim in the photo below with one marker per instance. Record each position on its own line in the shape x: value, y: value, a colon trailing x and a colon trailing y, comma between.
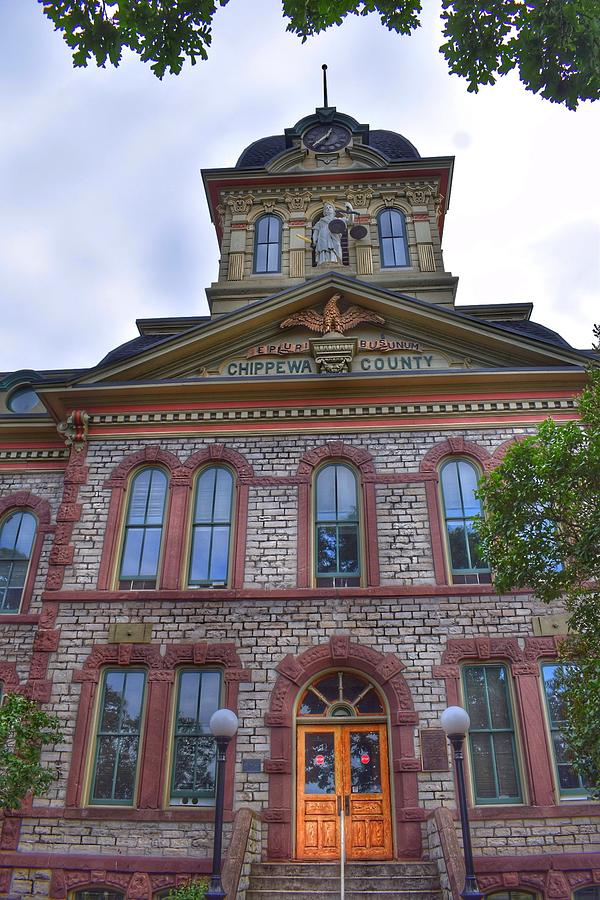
x: 434, y: 514
x: 454, y: 446
x: 529, y: 712
x: 529, y: 418
x: 337, y: 451
x: 41, y: 510
x: 352, y: 399
x: 161, y: 676
x: 303, y: 535
x: 61, y: 554
x: 386, y: 670
x: 207, y: 595
x: 150, y: 456
x: 177, y: 512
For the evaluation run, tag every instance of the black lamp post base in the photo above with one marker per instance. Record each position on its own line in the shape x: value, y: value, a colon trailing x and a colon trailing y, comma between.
x: 215, y: 890
x: 470, y: 890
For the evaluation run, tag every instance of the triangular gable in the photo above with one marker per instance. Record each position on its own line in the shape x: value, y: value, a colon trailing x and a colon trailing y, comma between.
x: 406, y: 334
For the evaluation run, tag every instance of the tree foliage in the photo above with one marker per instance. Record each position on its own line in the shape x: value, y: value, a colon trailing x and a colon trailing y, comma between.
x: 553, y: 44
x: 24, y: 730
x: 189, y: 890
x: 542, y: 531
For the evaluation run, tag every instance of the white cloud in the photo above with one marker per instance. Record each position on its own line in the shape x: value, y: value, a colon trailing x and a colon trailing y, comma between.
x: 103, y: 214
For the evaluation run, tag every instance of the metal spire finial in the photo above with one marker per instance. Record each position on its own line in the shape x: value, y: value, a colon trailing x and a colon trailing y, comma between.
x: 324, y: 67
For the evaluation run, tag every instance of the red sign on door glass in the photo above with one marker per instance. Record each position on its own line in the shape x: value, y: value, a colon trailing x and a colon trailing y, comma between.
x: 319, y: 760
x: 365, y: 758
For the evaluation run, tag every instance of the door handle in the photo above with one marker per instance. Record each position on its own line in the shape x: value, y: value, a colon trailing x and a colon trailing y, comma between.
x: 347, y: 804
x: 339, y: 805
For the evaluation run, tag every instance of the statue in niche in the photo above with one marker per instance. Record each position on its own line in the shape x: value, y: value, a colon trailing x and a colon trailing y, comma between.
x: 327, y: 241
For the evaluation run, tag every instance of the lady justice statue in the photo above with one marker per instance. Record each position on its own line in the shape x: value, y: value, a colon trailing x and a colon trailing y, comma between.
x: 327, y: 240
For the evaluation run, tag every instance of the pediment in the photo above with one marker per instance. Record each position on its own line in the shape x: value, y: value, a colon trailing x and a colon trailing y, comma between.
x: 370, y: 332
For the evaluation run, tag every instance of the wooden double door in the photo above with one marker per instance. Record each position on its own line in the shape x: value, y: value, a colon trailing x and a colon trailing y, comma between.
x: 343, y: 766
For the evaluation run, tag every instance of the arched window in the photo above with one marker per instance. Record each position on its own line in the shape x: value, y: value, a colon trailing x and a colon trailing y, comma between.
x: 570, y: 783
x: 98, y: 894
x: 194, y: 769
x: 211, y: 528
x: 267, y: 244
x: 341, y: 694
x: 494, y: 767
x: 17, y: 533
x: 510, y: 895
x: 587, y: 893
x: 337, y: 527
x: 114, y: 775
x: 392, y: 238
x: 461, y: 507
x: 143, y: 530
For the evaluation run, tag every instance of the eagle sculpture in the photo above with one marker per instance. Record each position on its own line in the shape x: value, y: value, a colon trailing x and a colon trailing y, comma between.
x: 332, y: 319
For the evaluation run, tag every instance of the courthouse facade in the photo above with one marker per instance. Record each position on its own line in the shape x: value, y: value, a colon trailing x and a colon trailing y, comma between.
x: 272, y: 508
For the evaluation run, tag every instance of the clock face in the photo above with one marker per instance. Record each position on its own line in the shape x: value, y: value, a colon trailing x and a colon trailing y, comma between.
x: 326, y: 138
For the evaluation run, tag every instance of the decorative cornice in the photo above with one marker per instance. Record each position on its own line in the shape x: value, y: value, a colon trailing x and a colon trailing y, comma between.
x: 307, y: 412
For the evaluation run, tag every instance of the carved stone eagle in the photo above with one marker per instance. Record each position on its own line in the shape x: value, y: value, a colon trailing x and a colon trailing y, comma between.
x: 332, y: 319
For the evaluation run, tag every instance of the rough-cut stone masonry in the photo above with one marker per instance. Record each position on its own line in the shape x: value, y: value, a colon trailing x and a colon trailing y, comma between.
x: 532, y: 836
x: 415, y: 629
x: 272, y: 538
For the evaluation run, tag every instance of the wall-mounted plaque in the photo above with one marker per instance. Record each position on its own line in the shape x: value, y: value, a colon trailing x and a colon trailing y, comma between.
x: 250, y: 766
x: 434, y: 750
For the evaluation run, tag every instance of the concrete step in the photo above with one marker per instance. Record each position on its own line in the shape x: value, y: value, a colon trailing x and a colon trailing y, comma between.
x: 252, y: 894
x: 364, y: 881
x: 409, y: 868
x: 353, y: 882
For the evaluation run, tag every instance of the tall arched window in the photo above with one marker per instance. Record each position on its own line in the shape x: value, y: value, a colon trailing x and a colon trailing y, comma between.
x: 461, y: 507
x: 494, y: 759
x: 392, y: 238
x: 17, y: 533
x: 267, y: 244
x: 98, y: 894
x: 143, y: 530
x: 211, y: 528
x: 194, y: 766
x: 337, y: 527
x: 587, y: 893
x: 114, y: 775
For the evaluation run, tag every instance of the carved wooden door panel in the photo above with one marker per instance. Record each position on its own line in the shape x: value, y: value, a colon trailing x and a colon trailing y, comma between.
x: 369, y: 827
x: 343, y: 764
x: 318, y: 780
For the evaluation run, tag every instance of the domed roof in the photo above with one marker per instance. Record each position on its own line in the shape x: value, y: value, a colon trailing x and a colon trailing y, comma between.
x: 390, y: 144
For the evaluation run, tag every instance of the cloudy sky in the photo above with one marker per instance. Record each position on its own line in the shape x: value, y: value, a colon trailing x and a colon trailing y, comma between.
x: 103, y: 218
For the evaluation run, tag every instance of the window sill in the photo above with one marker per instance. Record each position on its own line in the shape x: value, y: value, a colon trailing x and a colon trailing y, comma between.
x: 522, y: 811
x: 18, y: 619
x: 128, y: 814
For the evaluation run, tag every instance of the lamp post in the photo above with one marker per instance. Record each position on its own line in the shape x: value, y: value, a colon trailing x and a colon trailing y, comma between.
x: 455, y: 722
x: 223, y: 725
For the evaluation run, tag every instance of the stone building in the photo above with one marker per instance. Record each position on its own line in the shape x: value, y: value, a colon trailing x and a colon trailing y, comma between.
x: 271, y: 509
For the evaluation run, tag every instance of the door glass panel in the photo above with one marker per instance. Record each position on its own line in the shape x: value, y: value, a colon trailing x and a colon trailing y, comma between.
x: 365, y: 766
x: 319, y: 763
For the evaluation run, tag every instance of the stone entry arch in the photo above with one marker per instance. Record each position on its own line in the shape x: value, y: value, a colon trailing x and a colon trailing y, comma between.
x: 385, y: 669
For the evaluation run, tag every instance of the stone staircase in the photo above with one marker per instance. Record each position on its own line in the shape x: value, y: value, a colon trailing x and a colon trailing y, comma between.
x: 308, y: 881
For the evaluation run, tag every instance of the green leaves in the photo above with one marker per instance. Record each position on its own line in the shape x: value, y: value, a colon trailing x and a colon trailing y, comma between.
x: 542, y: 531
x: 554, y: 44
x: 24, y: 730
x: 308, y: 17
x: 162, y: 32
x: 190, y: 890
